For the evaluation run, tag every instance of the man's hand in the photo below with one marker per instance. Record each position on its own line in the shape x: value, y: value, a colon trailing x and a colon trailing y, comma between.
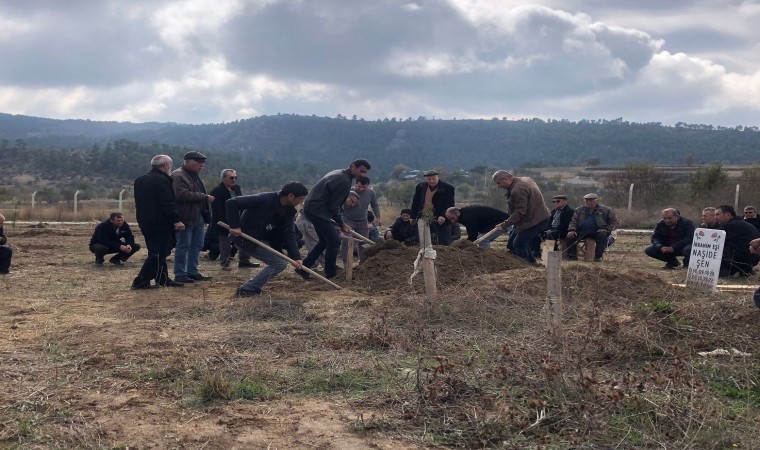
x: 179, y: 226
x: 210, y: 198
x: 236, y: 231
x: 754, y: 245
x: 441, y: 220
x: 296, y: 263
x: 346, y: 229
x: 125, y: 248
x: 571, y: 234
x: 666, y: 249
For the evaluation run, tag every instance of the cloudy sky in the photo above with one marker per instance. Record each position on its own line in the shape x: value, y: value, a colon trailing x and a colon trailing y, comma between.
x: 211, y: 61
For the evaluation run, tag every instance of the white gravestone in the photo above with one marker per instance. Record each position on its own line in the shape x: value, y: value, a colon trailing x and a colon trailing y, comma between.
x: 704, y: 260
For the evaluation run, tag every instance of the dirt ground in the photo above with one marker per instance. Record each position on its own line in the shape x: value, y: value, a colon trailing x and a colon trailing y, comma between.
x: 88, y: 363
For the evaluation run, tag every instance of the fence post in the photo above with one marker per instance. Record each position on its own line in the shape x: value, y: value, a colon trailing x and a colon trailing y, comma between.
x: 630, y: 198
x: 736, y: 198
x: 76, y: 201
x: 428, y: 264
x: 34, y: 194
x: 121, y: 197
x: 554, y: 293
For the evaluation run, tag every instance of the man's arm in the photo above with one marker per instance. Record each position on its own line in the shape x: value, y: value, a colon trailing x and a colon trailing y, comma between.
x: 184, y: 192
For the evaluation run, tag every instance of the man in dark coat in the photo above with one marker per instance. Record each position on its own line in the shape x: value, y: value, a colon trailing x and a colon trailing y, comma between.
x: 158, y: 219
x: 226, y: 190
x: 671, y: 238
x: 6, y: 253
x: 322, y: 208
x: 113, y: 236
x: 737, y: 258
x: 750, y: 215
x: 478, y: 220
x: 591, y: 220
x: 268, y: 217
x: 434, y: 196
x: 560, y: 219
x: 403, y: 229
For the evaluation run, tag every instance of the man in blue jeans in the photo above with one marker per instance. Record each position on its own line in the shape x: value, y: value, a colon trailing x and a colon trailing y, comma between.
x: 268, y: 217
x: 193, y: 207
x: 528, y: 212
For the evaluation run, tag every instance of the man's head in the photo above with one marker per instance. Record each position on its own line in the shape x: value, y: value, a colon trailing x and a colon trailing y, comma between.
x: 591, y: 200
x: 453, y: 214
x: 162, y: 163
x: 750, y: 212
x: 293, y: 194
x: 670, y: 216
x: 362, y: 184
x: 724, y: 213
x: 229, y: 178
x: 352, y: 200
x: 708, y: 216
x: 432, y: 178
x: 359, y: 168
x: 406, y: 214
x: 503, y: 178
x: 194, y: 161
x: 559, y: 201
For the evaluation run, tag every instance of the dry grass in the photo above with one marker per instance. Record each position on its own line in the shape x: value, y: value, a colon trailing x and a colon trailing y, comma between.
x: 88, y: 363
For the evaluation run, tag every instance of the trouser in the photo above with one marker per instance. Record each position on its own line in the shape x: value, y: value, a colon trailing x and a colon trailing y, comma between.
x: 273, y: 265
x: 737, y: 262
x: 669, y: 258
x: 524, y: 244
x: 159, y: 246
x: 310, y: 239
x: 329, y: 243
x: 442, y: 232
x: 225, y: 250
x: 101, y: 250
x: 188, y: 250
x: 361, y: 228
x: 600, y: 236
x: 5, y: 258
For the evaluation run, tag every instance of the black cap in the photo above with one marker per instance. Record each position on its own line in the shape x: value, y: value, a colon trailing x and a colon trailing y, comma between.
x: 197, y: 156
x: 559, y: 197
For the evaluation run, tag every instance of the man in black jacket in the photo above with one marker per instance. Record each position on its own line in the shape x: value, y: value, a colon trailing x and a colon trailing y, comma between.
x: 433, y: 197
x: 158, y: 219
x: 737, y: 258
x: 6, y: 253
x: 226, y: 190
x: 403, y: 229
x: 562, y: 214
x: 269, y: 218
x: 113, y: 236
x: 478, y: 220
x: 671, y: 238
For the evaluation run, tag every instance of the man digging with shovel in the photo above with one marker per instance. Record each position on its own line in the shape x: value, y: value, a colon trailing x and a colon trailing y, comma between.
x: 267, y: 217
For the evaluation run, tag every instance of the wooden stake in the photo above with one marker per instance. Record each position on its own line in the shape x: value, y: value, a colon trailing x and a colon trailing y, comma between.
x: 554, y: 292
x: 428, y: 264
x: 350, y: 259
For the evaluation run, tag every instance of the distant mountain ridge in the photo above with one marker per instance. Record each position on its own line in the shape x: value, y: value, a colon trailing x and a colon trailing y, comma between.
x: 419, y: 143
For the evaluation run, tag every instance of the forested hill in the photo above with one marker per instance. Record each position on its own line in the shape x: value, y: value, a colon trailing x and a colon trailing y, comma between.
x: 416, y: 143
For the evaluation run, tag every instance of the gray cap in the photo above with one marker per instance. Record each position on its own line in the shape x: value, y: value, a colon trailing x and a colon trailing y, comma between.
x: 430, y: 173
x: 591, y: 196
x: 196, y: 156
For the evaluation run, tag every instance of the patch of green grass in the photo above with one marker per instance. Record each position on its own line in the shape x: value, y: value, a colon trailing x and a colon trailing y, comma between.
x: 25, y: 428
x: 349, y: 382
x: 251, y: 389
x: 659, y: 307
x: 213, y: 388
x: 166, y: 374
x: 733, y: 390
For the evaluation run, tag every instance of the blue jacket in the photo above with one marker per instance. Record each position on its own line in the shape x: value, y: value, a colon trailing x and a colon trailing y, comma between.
x: 261, y: 216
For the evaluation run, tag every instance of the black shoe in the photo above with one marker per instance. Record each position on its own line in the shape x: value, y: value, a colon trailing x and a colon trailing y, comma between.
x: 671, y: 266
x: 184, y: 279
x: 225, y: 264
x: 243, y: 264
x: 171, y: 283
x: 141, y: 286
x: 99, y: 261
x: 116, y: 261
x: 240, y: 292
x: 199, y: 277
x: 597, y: 259
x: 572, y: 258
x: 8, y: 272
x: 304, y: 274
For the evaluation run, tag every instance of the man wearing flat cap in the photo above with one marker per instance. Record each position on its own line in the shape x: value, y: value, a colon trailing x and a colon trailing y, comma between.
x: 562, y: 214
x: 590, y: 220
x: 193, y: 207
x: 432, y: 198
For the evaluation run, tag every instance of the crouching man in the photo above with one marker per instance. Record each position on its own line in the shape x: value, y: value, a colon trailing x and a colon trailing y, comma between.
x: 268, y: 217
x: 671, y: 238
x: 113, y: 236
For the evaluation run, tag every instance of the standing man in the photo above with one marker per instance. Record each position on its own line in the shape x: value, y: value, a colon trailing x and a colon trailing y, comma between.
x: 671, y: 238
x: 528, y: 212
x: 590, y: 220
x: 356, y: 216
x: 322, y: 208
x: 562, y: 214
x: 193, y: 208
x: 737, y: 257
x: 226, y: 190
x: 113, y: 236
x: 267, y: 217
x: 478, y: 220
x: 5, y: 252
x: 431, y: 199
x: 750, y: 215
x: 158, y: 219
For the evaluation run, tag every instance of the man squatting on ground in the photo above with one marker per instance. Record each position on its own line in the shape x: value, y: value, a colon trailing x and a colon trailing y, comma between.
x: 356, y: 216
x: 737, y: 256
x: 226, y: 190
x: 528, y: 212
x: 158, y: 219
x: 322, y: 208
x: 113, y: 235
x: 478, y: 220
x: 671, y: 238
x: 193, y: 208
x: 268, y: 217
x: 403, y: 229
x: 5, y: 252
x: 436, y: 196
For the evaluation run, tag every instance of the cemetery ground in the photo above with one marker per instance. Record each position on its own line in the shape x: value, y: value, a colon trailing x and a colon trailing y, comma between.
x: 88, y: 363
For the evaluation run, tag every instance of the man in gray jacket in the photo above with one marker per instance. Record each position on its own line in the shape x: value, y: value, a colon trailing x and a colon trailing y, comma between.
x: 590, y: 220
x: 528, y: 212
x: 356, y: 216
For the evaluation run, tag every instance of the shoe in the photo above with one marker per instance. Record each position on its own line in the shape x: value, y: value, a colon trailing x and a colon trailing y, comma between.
x: 141, y: 286
x: 171, y: 283
x: 99, y: 261
x: 597, y: 259
x: 225, y: 264
x: 184, y: 279
x: 199, y: 277
x: 116, y: 261
x: 6, y: 273
x: 243, y: 264
x: 671, y: 266
x: 572, y: 258
x: 240, y: 292
x: 304, y: 274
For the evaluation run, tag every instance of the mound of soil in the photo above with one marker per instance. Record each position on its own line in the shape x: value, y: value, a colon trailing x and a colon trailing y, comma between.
x: 386, y: 267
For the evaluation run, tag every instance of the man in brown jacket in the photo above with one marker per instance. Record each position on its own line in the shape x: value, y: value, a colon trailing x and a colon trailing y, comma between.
x: 528, y: 212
